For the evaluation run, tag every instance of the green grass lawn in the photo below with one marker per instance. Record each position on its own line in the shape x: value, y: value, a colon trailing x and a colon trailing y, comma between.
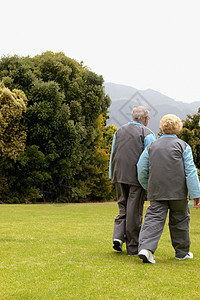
x: 65, y: 252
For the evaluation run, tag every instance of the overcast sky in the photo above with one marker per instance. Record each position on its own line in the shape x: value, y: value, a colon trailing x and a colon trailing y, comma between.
x: 141, y: 43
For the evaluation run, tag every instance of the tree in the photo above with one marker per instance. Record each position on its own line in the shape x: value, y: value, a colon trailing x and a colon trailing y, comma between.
x: 108, y: 134
x: 94, y: 178
x: 65, y: 100
x: 191, y: 134
x: 12, y: 133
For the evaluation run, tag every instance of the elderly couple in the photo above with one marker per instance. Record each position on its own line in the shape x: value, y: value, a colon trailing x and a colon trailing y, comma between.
x: 166, y: 169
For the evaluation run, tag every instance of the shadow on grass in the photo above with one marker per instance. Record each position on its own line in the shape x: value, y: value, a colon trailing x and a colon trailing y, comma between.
x: 10, y: 239
x: 166, y: 261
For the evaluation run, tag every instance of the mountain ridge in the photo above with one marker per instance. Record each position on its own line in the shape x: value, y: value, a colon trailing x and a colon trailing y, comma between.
x: 124, y: 98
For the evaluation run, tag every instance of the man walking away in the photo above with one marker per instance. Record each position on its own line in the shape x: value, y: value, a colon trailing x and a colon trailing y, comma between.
x: 128, y: 143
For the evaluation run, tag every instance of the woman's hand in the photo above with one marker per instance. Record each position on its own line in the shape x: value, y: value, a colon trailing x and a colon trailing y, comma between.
x: 196, y: 203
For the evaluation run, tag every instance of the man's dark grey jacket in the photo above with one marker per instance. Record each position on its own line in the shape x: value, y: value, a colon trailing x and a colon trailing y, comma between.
x: 128, y: 143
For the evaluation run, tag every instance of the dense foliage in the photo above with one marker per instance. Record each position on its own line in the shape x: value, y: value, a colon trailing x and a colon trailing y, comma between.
x: 12, y: 133
x: 65, y: 158
x: 191, y: 135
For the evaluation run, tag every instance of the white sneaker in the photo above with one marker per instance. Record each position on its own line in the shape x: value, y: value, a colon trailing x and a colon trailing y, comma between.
x: 189, y: 255
x: 117, y: 245
x: 147, y: 256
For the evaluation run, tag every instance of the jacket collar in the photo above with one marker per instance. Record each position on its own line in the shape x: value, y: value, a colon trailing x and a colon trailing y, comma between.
x: 168, y: 135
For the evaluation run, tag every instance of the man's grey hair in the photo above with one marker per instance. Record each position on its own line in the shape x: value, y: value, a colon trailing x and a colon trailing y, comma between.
x: 140, y: 113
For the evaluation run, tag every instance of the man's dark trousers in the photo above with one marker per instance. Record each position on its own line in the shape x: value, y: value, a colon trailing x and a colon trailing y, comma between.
x: 130, y: 199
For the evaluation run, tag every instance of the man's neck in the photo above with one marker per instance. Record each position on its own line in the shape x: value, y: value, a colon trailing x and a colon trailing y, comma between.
x: 143, y: 122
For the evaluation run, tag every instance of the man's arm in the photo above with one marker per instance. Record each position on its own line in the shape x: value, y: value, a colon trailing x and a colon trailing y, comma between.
x: 113, y: 143
x: 143, y: 169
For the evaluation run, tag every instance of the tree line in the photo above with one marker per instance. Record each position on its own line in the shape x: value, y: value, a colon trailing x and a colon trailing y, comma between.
x: 54, y: 142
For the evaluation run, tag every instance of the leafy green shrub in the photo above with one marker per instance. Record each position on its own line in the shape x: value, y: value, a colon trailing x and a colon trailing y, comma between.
x: 63, y: 160
x: 191, y: 134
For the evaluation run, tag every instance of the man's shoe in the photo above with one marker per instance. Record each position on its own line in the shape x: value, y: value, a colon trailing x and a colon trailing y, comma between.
x: 117, y: 245
x: 147, y: 256
x: 189, y: 255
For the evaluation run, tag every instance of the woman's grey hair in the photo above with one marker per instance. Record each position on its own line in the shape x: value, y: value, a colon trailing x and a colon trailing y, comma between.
x: 140, y: 113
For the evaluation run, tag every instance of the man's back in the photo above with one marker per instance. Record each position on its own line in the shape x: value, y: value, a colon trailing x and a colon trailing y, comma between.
x: 129, y: 144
